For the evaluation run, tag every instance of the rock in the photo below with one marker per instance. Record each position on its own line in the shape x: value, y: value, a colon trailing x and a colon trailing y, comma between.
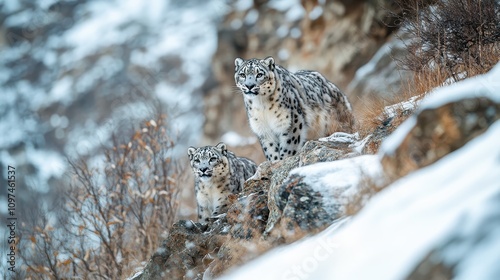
x: 294, y: 197
x: 321, y: 151
x: 313, y: 197
x: 248, y: 215
x: 436, y: 132
x: 184, y: 253
x: 280, y: 172
x: 381, y: 77
x: 388, y: 121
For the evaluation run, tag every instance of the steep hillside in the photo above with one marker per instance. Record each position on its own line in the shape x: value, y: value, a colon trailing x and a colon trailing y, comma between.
x: 440, y: 221
x: 436, y: 216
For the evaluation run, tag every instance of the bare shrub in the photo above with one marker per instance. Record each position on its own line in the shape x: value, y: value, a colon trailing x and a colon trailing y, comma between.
x: 111, y: 215
x: 460, y: 37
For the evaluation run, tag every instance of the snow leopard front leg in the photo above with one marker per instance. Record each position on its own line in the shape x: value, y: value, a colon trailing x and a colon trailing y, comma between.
x: 286, y: 145
x: 270, y: 146
x: 291, y: 141
x: 204, y: 212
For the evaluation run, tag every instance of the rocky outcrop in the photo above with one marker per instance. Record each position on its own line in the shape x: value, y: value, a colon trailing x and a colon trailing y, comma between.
x: 436, y: 132
x: 314, y: 196
x: 186, y: 251
x: 274, y: 208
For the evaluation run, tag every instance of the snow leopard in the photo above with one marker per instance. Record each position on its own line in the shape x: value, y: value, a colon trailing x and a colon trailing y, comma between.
x: 218, y: 173
x: 286, y: 109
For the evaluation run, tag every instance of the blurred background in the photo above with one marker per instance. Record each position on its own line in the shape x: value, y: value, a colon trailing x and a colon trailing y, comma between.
x: 75, y: 73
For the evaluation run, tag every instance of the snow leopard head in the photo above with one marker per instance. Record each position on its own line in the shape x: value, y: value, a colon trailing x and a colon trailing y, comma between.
x: 208, y: 161
x: 255, y: 76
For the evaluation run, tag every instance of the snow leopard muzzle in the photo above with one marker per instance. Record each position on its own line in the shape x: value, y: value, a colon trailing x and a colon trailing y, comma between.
x: 204, y: 172
x: 251, y: 93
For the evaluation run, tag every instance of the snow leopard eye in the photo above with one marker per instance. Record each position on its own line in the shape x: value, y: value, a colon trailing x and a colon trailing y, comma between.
x: 196, y: 161
x: 212, y: 159
x: 242, y: 75
x: 259, y: 75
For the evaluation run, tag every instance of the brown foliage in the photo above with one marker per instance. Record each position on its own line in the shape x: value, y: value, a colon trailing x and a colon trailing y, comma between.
x: 112, y: 215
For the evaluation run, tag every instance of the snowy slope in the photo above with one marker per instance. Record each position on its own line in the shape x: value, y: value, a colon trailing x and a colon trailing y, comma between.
x: 398, y: 227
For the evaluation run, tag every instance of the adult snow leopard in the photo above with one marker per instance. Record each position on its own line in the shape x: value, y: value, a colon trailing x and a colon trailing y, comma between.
x: 218, y: 173
x: 286, y: 109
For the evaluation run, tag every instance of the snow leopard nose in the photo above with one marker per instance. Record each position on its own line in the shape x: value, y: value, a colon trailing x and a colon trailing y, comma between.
x: 203, y: 170
x: 250, y: 87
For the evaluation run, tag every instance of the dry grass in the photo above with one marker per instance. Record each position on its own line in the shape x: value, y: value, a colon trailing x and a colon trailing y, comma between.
x: 371, y: 112
x: 454, y: 40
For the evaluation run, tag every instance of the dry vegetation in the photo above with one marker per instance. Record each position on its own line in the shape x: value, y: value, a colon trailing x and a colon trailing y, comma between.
x: 457, y: 37
x: 454, y: 40
x: 112, y: 216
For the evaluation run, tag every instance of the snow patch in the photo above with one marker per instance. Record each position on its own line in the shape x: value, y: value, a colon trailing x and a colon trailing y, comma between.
x: 338, y: 179
x: 410, y: 104
x: 293, y: 8
x: 316, y: 13
x: 251, y: 17
x: 234, y: 139
x: 341, y: 137
x: 352, y: 139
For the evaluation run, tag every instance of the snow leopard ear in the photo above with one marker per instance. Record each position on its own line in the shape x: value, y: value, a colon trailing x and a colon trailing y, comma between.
x: 222, y: 147
x: 269, y: 62
x: 237, y: 63
x: 191, y: 152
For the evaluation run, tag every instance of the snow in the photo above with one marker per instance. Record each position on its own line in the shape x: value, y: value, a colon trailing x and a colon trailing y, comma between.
x: 295, y: 33
x: 61, y: 91
x: 283, y: 54
x: 402, y: 224
x: 341, y: 137
x: 336, y: 180
x: 410, y: 104
x: 251, y: 17
x: 282, y: 31
x: 293, y: 8
x: 234, y: 139
x: 487, y: 85
x: 243, y: 5
x: 316, y: 13
x: 305, y: 251
x: 352, y: 139
x: 21, y: 18
x: 10, y: 6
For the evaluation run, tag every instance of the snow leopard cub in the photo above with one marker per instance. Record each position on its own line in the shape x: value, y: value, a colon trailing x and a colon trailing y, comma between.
x: 218, y: 173
x: 286, y: 109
